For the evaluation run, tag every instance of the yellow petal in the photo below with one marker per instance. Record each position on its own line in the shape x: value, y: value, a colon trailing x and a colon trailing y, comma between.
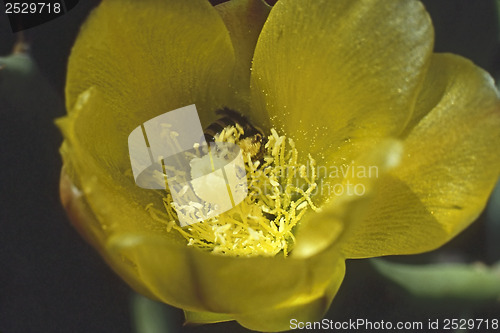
x: 199, y: 281
x: 450, y: 165
x: 303, y: 309
x: 336, y: 75
x: 149, y: 57
x: 103, y: 174
x: 244, y: 20
x: 85, y: 221
x: 79, y: 211
x: 280, y: 318
x: 193, y: 317
x: 350, y: 198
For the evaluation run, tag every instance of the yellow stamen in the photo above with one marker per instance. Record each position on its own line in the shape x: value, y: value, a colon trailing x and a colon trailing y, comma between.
x: 279, y: 194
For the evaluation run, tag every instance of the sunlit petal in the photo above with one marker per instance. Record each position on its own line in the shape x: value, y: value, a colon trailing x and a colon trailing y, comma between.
x: 339, y: 75
x: 450, y: 165
x: 149, y: 57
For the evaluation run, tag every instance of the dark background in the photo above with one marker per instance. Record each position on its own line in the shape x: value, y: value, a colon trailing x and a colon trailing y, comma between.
x: 52, y: 281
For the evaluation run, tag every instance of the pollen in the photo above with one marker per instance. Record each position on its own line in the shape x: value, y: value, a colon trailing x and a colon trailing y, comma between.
x: 280, y: 192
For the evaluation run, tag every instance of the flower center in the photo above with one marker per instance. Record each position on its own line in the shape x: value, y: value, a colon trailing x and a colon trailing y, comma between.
x: 279, y: 194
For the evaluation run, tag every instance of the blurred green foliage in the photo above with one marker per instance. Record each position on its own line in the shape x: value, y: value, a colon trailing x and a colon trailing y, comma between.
x: 465, y: 282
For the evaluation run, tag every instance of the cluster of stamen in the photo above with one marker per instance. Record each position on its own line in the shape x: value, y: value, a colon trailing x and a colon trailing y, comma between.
x: 279, y: 194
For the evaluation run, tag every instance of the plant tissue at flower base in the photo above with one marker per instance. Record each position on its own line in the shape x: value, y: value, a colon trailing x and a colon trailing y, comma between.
x: 331, y: 85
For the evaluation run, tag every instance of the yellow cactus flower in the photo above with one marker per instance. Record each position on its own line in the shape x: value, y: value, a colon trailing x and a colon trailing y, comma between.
x: 349, y: 97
